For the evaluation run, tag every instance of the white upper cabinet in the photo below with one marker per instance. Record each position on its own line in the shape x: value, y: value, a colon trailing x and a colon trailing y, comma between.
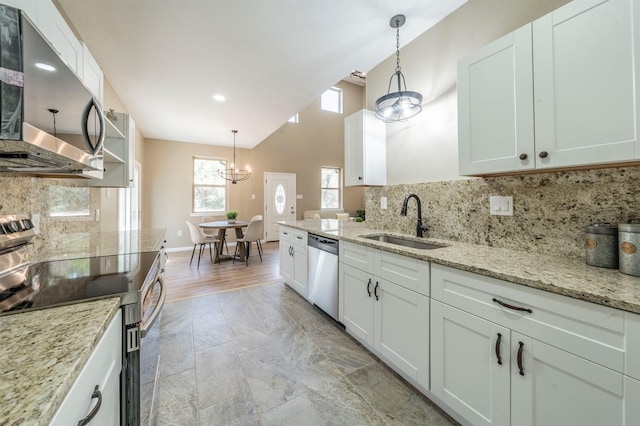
x: 55, y: 29
x: 586, y: 88
x: 92, y: 76
x: 560, y: 92
x: 495, y: 105
x: 119, y: 153
x: 365, y: 150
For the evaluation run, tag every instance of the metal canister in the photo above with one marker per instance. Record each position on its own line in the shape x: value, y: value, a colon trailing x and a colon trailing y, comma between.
x: 601, y: 245
x: 629, y: 239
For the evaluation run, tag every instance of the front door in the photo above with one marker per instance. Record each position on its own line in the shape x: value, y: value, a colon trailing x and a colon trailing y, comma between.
x: 280, y: 202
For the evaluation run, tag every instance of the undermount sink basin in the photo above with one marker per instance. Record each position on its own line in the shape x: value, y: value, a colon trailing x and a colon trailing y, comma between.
x: 403, y: 242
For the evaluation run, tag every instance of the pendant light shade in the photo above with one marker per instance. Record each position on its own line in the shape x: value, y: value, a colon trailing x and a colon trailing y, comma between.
x: 232, y: 173
x: 403, y: 104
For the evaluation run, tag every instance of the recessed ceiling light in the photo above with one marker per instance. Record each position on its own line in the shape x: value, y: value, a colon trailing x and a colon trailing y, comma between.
x: 218, y: 97
x: 45, y: 67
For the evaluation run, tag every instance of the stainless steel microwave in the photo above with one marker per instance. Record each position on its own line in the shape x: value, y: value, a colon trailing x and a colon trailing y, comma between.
x: 50, y: 123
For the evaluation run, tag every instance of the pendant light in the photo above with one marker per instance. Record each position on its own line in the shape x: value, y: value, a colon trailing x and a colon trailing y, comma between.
x: 233, y: 174
x: 403, y: 104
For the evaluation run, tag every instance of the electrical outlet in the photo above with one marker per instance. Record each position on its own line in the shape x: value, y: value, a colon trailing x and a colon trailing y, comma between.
x: 501, y: 206
x: 179, y: 232
x: 383, y: 203
x: 35, y: 219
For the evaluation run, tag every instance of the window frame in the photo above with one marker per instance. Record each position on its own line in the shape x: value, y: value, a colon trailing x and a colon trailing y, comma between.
x: 194, y: 186
x: 340, y: 100
x: 339, y: 188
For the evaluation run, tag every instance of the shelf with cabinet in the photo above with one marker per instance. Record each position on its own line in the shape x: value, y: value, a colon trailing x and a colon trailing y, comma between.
x: 559, y: 92
x: 384, y: 304
x: 119, y: 153
x: 365, y: 150
x: 293, y: 259
x: 506, y: 354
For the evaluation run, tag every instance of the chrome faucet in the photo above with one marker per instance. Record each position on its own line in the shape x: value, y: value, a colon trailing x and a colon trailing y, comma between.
x: 403, y: 212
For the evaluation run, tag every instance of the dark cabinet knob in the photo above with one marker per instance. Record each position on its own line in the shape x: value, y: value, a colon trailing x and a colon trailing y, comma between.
x: 359, y: 177
x: 543, y: 154
x: 523, y: 157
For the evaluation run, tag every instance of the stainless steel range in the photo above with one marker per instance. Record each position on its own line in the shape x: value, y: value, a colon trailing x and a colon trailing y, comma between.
x: 137, y: 278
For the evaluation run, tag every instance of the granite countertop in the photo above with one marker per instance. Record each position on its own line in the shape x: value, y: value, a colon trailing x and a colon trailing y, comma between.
x: 564, y: 276
x: 81, y: 245
x: 43, y: 353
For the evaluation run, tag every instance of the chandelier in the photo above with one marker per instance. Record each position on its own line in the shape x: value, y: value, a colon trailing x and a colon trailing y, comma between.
x: 233, y: 174
x: 403, y: 104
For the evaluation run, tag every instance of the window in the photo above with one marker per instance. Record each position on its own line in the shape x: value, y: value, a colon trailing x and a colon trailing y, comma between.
x: 294, y: 119
x: 331, y: 188
x: 209, y: 189
x: 331, y: 100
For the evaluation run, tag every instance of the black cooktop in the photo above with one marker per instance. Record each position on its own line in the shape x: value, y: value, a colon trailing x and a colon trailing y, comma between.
x: 60, y: 282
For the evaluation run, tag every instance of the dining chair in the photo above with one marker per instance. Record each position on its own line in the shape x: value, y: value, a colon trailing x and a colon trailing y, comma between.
x: 256, y: 217
x: 253, y: 233
x: 199, y: 238
x: 213, y: 231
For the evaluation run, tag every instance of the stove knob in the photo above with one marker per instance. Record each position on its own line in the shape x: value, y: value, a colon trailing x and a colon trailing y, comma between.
x: 27, y: 224
x: 16, y: 226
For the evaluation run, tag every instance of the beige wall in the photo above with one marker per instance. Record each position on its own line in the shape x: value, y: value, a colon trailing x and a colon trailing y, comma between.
x: 425, y: 148
x: 302, y: 148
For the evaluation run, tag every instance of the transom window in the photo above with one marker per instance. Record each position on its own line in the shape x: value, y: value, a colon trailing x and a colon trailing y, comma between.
x: 331, y: 100
x: 331, y: 188
x: 209, y: 188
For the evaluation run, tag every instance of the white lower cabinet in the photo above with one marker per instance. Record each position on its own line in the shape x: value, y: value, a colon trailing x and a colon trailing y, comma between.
x: 293, y: 258
x: 466, y: 372
x: 389, y: 319
x: 97, y: 389
x: 507, y: 355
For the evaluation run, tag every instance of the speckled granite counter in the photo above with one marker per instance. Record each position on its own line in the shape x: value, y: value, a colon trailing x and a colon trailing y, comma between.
x: 42, y: 353
x: 568, y: 277
x: 79, y: 245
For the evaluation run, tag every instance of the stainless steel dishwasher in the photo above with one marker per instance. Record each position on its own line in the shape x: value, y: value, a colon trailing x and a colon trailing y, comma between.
x: 322, y: 274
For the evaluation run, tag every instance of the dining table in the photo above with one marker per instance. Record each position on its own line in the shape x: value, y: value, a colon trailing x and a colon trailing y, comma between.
x: 222, y: 226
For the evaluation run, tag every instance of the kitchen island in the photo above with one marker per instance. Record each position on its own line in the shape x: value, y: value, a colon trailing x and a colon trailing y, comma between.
x: 43, y: 354
x: 568, y: 277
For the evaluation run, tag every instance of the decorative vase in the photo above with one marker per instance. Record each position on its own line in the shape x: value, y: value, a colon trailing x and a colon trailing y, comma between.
x: 231, y: 220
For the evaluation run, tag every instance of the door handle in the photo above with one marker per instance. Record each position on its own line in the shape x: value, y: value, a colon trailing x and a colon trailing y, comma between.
x: 498, y: 349
x: 520, y: 350
x: 369, y: 287
x: 375, y: 290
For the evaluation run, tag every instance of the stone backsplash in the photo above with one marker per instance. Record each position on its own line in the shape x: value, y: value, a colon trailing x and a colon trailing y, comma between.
x: 550, y: 210
x: 65, y: 206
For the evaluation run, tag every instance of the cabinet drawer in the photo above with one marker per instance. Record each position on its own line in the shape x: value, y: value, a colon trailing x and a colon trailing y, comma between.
x: 407, y: 272
x: 286, y: 233
x: 299, y: 237
x: 102, y: 369
x: 356, y: 255
x: 594, y: 332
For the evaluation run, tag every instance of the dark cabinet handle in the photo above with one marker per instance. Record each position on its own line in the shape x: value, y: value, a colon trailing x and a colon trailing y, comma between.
x: 498, y: 349
x: 515, y: 308
x: 369, y: 287
x: 375, y: 290
x: 96, y: 394
x: 359, y: 177
x: 543, y: 154
x: 520, y: 350
x: 523, y: 157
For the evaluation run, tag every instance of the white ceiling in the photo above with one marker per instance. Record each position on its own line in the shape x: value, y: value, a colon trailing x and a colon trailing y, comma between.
x: 270, y: 58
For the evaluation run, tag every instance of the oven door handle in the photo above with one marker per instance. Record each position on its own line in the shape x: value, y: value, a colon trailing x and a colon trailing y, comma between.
x: 144, y: 329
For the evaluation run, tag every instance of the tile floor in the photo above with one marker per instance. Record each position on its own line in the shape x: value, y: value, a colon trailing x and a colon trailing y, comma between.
x: 263, y: 355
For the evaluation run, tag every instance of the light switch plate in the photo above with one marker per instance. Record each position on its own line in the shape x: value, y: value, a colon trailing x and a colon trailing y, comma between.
x: 501, y: 206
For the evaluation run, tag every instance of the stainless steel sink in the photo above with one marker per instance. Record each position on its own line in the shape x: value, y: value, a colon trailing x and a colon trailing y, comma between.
x: 403, y: 242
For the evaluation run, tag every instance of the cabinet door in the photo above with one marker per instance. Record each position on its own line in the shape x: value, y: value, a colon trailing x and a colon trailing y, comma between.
x: 401, y: 329
x: 495, y: 106
x: 585, y: 58
x: 286, y: 261
x: 300, y: 269
x: 60, y: 36
x: 365, y: 150
x: 92, y: 74
x: 559, y: 388
x: 356, y: 294
x: 466, y: 372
